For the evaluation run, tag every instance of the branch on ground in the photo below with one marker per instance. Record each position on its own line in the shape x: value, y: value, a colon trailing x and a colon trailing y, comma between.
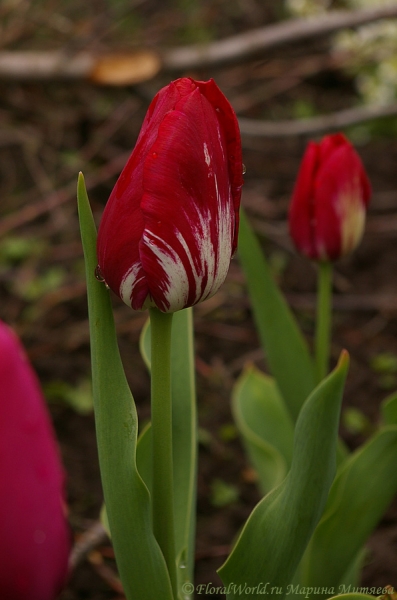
x: 131, y: 68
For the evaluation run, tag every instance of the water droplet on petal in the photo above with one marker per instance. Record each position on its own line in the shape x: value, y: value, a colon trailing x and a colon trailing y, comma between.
x: 98, y: 274
x: 154, y: 154
x: 244, y: 169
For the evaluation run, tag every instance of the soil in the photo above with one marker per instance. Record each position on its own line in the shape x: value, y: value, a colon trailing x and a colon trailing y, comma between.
x: 51, y: 130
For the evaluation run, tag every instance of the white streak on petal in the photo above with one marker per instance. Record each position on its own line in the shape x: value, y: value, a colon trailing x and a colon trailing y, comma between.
x: 197, y: 277
x: 177, y: 287
x: 129, y: 282
x: 205, y: 262
x: 206, y: 155
x: 220, y: 143
x: 214, y: 260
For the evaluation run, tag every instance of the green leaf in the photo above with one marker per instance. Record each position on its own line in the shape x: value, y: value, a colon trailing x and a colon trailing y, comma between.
x: 279, y: 528
x: 223, y: 493
x: 184, y: 433
x: 389, y: 409
x: 284, y: 346
x: 360, y: 494
x: 352, y: 575
x: 265, y: 425
x: 79, y: 397
x: 140, y: 562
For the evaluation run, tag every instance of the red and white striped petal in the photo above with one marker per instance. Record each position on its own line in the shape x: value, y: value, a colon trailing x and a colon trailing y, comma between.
x: 328, y: 207
x: 170, y: 226
x: 188, y: 210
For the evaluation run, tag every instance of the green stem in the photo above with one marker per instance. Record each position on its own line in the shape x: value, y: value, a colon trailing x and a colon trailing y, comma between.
x: 323, y: 324
x: 162, y: 486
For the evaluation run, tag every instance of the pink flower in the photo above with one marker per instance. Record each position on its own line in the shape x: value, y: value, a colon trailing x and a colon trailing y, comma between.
x: 331, y: 195
x: 170, y: 226
x: 34, y: 535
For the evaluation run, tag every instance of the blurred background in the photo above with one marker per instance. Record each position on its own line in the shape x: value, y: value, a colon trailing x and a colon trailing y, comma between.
x: 76, y: 79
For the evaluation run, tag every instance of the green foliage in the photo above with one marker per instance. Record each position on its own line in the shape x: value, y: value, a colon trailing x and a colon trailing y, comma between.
x: 389, y: 409
x: 228, y: 432
x: 184, y: 426
x: 36, y: 286
x: 79, y: 397
x: 361, y: 492
x: 14, y: 249
x: 303, y: 109
x: 285, y: 348
x: 222, y: 493
x: 355, y: 421
x: 126, y: 497
x: 385, y: 365
x: 265, y: 425
x: 278, y: 530
x: 366, y: 480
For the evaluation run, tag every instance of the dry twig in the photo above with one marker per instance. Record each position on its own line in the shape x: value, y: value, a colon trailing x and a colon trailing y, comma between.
x: 315, y: 125
x: 126, y: 69
x: 251, y: 43
x: 87, y: 542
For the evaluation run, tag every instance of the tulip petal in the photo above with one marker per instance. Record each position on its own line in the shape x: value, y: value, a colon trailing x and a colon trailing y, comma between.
x: 118, y: 245
x: 33, y: 531
x: 230, y: 127
x: 332, y: 192
x: 170, y: 226
x: 340, y: 202
x: 301, y: 213
x: 187, y: 206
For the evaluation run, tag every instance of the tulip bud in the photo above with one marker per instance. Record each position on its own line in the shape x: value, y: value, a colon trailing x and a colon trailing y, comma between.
x: 170, y: 226
x: 34, y: 535
x: 332, y: 192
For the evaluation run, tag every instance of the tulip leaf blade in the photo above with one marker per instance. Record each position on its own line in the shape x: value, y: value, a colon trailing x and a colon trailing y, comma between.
x: 284, y: 346
x: 265, y: 425
x: 278, y: 530
x: 184, y: 426
x: 389, y: 409
x: 362, y: 490
x: 126, y: 496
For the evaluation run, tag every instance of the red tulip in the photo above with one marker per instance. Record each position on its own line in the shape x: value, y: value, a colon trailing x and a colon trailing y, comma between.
x: 170, y: 226
x: 34, y: 536
x: 332, y: 192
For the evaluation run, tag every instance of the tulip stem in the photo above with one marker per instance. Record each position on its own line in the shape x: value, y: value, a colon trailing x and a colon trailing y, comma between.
x: 162, y: 484
x: 323, y: 323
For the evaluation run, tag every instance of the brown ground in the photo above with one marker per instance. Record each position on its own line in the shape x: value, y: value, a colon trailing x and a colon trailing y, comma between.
x: 50, y: 131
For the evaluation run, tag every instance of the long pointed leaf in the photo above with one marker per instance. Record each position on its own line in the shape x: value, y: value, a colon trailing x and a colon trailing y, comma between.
x: 285, y: 348
x: 140, y: 562
x: 361, y: 492
x: 277, y: 532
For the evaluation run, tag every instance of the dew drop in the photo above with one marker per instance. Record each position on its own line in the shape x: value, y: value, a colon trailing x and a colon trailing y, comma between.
x: 244, y: 169
x: 99, y: 277
x: 98, y: 274
x: 154, y: 154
